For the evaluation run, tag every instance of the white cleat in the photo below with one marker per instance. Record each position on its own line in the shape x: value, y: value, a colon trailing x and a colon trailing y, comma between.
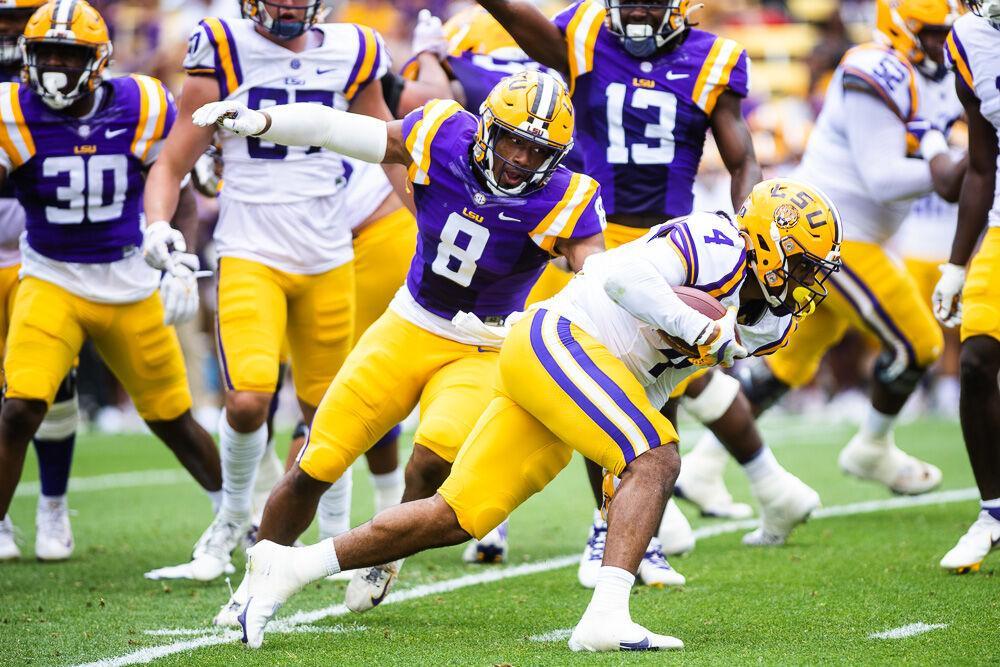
x: 785, y: 502
x: 700, y: 483
x: 492, y: 549
x: 655, y: 571
x: 598, y: 633
x: 8, y: 541
x: 271, y: 579
x: 973, y: 547
x: 675, y: 534
x: 370, y: 586
x: 593, y: 553
x: 229, y: 614
x: 54, y: 537
x: 215, y: 546
x: 882, y: 461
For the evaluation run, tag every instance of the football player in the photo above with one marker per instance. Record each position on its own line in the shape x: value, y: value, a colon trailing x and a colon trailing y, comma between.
x: 885, y: 98
x: 974, y: 300
x: 75, y: 148
x: 283, y: 235
x: 55, y: 437
x: 493, y: 205
x: 587, y: 370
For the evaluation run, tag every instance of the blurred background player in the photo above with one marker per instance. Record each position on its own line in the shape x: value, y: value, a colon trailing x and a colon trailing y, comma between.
x: 283, y: 236
x: 55, y: 437
x: 972, y: 48
x: 75, y: 148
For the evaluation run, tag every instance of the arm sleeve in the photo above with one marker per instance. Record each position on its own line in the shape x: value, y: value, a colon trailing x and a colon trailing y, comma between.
x: 307, y: 124
x: 639, y: 278
x: 877, y: 141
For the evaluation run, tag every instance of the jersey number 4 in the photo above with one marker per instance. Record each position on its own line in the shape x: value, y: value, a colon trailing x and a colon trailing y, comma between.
x: 262, y: 98
x: 462, y: 244
x: 663, y: 129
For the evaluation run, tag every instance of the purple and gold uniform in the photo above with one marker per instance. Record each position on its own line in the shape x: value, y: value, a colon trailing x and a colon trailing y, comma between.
x: 80, y: 181
x: 476, y: 252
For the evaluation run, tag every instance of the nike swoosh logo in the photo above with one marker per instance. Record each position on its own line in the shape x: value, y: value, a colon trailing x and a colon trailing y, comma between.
x: 675, y: 77
x: 503, y: 216
x: 378, y: 600
x: 636, y: 646
x: 111, y: 134
x: 242, y: 618
x: 325, y: 70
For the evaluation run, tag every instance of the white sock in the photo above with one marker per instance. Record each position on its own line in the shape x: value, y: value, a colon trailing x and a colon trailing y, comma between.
x: 270, y: 470
x: 316, y: 561
x: 762, y: 466
x: 241, y: 453
x: 711, y: 454
x: 334, y: 512
x: 611, y: 592
x: 877, y: 425
x: 215, y: 497
x: 598, y: 519
x: 52, y: 500
x: 388, y: 489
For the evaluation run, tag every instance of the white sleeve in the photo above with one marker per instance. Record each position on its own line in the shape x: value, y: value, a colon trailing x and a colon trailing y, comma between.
x: 638, y: 277
x: 307, y: 124
x: 878, y: 145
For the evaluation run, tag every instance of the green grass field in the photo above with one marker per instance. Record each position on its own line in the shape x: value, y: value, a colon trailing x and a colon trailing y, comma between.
x: 853, y: 571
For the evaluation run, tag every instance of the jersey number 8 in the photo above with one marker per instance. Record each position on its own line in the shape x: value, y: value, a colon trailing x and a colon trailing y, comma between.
x: 453, y: 261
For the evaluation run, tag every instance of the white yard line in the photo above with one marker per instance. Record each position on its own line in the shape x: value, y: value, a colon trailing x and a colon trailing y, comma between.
x: 560, y: 635
x: 296, y: 621
x: 910, y: 630
x: 121, y: 480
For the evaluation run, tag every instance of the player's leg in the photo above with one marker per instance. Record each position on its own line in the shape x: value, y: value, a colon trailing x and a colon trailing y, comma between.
x: 884, y: 299
x: 54, y: 443
x: 9, y: 550
x: 979, y: 404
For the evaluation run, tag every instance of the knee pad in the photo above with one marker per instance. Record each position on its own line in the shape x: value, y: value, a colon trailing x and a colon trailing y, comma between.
x: 897, y: 377
x: 715, y: 398
x: 61, y: 421
x: 761, y: 387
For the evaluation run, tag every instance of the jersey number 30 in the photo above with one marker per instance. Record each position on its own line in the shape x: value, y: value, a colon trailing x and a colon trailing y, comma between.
x: 462, y: 244
x: 83, y: 195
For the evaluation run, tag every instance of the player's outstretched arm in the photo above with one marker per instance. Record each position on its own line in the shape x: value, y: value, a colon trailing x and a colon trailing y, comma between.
x: 732, y: 136
x: 305, y: 124
x: 577, y: 250
x: 534, y: 33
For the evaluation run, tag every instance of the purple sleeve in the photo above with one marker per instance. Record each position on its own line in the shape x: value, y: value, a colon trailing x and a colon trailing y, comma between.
x: 739, y: 79
x: 592, y: 220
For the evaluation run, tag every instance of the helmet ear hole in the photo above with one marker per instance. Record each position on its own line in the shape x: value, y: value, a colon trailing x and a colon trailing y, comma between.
x: 763, y: 245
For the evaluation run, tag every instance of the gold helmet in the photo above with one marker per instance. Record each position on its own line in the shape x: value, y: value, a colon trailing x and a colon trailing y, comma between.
x: 14, y: 15
x: 529, y: 106
x: 73, y: 26
x: 475, y: 30
x: 643, y: 40
x: 793, y: 234
x: 898, y: 23
x: 257, y: 11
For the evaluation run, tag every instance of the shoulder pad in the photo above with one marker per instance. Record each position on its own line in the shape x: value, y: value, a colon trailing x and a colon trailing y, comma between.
x: 212, y: 52
x: 878, y: 70
x: 726, y: 67
x: 423, y: 136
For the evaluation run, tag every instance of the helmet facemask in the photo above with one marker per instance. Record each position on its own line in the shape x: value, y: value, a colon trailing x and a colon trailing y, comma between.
x: 642, y: 40
x: 62, y: 72
x: 988, y: 9
x: 490, y: 161
x: 798, y: 285
x: 283, y: 28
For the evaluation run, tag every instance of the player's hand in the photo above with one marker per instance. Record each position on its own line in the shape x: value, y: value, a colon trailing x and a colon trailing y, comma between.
x: 925, y: 139
x: 207, y: 174
x: 179, y: 288
x: 718, y: 345
x: 428, y: 35
x: 947, y: 298
x: 231, y: 115
x: 158, y: 241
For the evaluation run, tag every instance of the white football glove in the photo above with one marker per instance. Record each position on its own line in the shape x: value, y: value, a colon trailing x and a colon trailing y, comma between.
x: 428, y: 35
x: 179, y: 288
x: 232, y: 116
x: 947, y: 298
x: 158, y: 241
x: 718, y: 345
x: 206, y: 174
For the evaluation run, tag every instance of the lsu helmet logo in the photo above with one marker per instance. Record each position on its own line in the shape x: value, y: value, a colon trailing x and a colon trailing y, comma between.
x: 786, y: 216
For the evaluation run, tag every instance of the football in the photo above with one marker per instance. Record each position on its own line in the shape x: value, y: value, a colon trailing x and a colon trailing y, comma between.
x: 705, y: 304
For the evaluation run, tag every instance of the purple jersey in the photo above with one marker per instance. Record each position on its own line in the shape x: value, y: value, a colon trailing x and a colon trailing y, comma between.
x: 80, y: 181
x: 476, y: 251
x: 641, y: 122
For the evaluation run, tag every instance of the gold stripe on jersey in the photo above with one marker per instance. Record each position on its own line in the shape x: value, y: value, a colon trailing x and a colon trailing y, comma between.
x: 715, y: 73
x: 680, y: 255
x: 225, y: 53
x: 421, y: 136
x: 778, y: 344
x: 878, y: 89
x: 371, y: 47
x: 152, y: 115
x: 562, y: 219
x: 581, y: 35
x: 728, y: 287
x: 961, y: 65
x: 15, y: 138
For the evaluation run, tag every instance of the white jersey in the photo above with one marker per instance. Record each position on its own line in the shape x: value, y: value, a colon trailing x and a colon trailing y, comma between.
x: 972, y: 49
x: 927, y: 231
x: 703, y: 251
x: 367, y: 188
x: 828, y: 162
x: 11, y: 228
x: 282, y: 205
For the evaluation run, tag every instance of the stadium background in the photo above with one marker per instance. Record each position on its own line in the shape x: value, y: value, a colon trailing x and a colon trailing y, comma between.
x: 794, y: 44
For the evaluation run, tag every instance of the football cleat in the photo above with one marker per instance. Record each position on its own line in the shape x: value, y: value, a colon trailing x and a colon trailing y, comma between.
x: 593, y: 553
x: 489, y: 550
x: 882, y: 461
x: 8, y: 540
x: 229, y: 614
x: 270, y: 580
x: 785, y: 502
x: 370, y: 586
x: 675, y: 534
x: 215, y: 546
x: 655, y: 571
x: 973, y: 547
x: 599, y: 633
x: 54, y: 537
x: 700, y: 483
